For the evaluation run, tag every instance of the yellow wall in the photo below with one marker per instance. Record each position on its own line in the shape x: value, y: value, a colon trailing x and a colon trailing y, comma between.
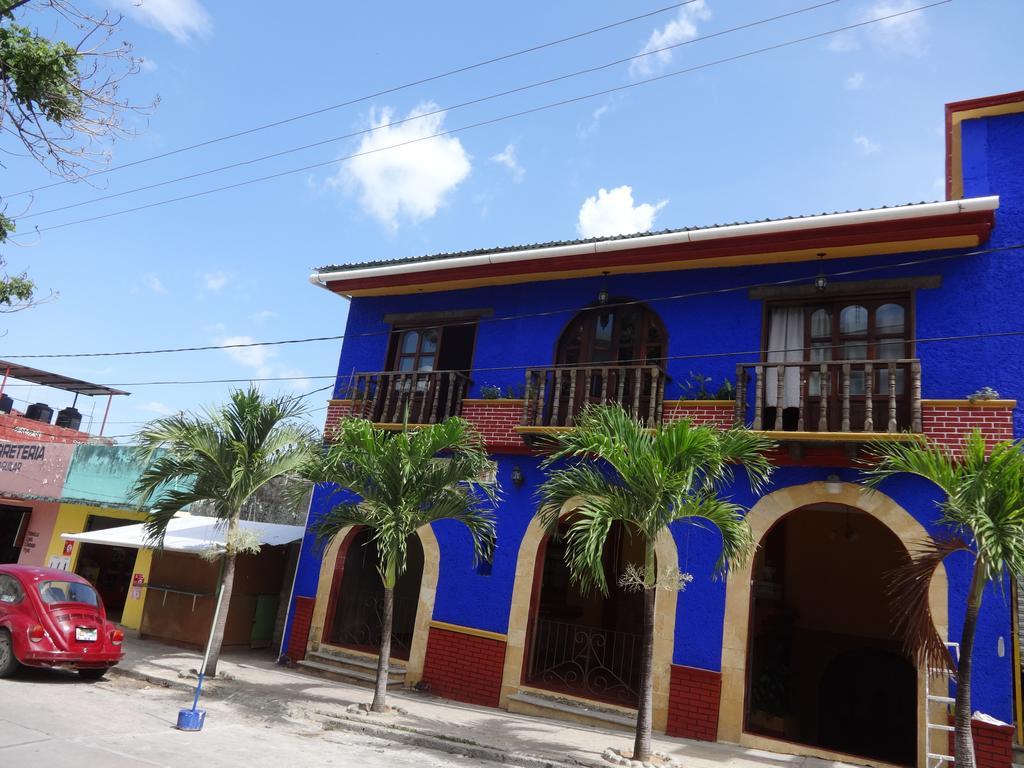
x: 71, y: 518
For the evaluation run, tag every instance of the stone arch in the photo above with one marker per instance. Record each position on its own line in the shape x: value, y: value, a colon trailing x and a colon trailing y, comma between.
x: 330, y: 572
x: 762, y: 516
x: 519, y: 617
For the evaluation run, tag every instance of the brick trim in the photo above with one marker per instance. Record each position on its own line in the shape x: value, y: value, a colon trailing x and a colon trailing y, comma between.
x: 715, y: 413
x: 948, y: 422
x: 496, y: 421
x: 693, y: 702
x: 993, y: 744
x: 464, y: 667
x: 302, y: 619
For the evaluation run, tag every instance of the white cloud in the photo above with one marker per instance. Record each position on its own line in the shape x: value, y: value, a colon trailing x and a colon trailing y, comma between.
x: 682, y: 28
x: 298, y: 382
x: 507, y: 157
x: 262, y: 316
x: 214, y: 281
x: 181, y: 19
x: 147, y: 65
x: 410, y: 181
x: 154, y: 406
x: 612, y: 212
x: 854, y: 82
x: 843, y: 42
x: 867, y: 146
x: 153, y: 282
x: 902, y: 34
x: 595, y: 121
x: 257, y: 358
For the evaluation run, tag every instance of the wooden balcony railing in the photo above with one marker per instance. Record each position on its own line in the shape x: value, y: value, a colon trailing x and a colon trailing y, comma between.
x: 555, y: 395
x: 430, y: 396
x: 830, y: 396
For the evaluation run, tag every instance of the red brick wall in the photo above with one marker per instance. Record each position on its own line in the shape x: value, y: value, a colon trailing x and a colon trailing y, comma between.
x: 948, y: 422
x: 302, y: 618
x: 496, y: 420
x: 993, y: 744
x: 694, y: 696
x: 718, y: 413
x: 464, y: 667
x: 336, y: 411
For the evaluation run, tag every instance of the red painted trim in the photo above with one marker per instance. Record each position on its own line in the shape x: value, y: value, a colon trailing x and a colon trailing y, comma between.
x: 339, y: 572
x: 977, y: 224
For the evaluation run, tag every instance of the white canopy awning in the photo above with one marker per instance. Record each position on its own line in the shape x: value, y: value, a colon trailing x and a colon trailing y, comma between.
x: 188, y: 534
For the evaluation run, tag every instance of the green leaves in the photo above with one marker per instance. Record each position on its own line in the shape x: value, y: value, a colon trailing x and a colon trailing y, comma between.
x: 404, y: 481
x: 40, y: 73
x: 612, y: 468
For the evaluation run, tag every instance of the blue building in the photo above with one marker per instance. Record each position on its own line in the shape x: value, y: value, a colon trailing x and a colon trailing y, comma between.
x: 824, y: 332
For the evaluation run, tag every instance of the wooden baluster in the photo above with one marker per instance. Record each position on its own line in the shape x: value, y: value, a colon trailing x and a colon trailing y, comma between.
x: 463, y: 384
x: 538, y: 416
x: 379, y: 392
x: 529, y: 398
x: 758, y: 395
x: 413, y: 411
x: 556, y: 398
x: 389, y: 381
x: 846, y: 399
x: 740, y: 407
x: 915, y: 397
x: 780, y: 394
x: 604, y: 386
x: 587, y: 389
x: 893, y: 424
x: 801, y: 405
x: 637, y: 386
x: 451, y: 395
x: 661, y: 398
x: 652, y: 407
x: 404, y: 411
x: 430, y: 396
x: 620, y: 374
x: 824, y: 389
x: 570, y: 409
x: 869, y: 397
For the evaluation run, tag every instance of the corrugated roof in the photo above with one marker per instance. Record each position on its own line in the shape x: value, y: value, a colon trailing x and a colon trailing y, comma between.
x: 584, y: 241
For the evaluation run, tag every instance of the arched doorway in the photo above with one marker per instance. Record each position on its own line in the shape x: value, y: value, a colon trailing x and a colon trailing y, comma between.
x: 622, y: 335
x: 825, y: 668
x: 358, y: 598
x: 581, y: 642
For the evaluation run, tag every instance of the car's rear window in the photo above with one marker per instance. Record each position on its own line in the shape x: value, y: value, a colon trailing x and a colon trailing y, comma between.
x: 67, y: 592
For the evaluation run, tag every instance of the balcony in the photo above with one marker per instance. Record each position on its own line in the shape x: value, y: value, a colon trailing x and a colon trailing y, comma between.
x: 839, y: 400
x: 555, y: 395
x: 430, y: 396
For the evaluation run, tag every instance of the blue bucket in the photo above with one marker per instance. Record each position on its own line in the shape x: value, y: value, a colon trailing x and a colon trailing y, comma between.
x: 191, y: 719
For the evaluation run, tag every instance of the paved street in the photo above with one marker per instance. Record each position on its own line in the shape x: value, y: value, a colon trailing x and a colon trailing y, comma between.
x: 55, y: 720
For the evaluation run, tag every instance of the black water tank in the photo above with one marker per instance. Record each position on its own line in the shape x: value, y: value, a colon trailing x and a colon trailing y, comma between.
x: 69, y: 418
x: 6, y: 403
x: 39, y: 412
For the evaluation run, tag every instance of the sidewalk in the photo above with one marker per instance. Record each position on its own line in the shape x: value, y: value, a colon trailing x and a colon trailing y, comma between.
x: 254, y: 682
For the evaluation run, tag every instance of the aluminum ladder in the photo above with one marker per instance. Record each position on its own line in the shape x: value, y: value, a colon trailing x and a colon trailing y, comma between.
x: 939, y: 678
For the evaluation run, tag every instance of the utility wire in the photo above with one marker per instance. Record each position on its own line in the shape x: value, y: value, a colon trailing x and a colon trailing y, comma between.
x: 491, y: 121
x: 541, y: 313
x: 425, y: 115
x: 360, y: 99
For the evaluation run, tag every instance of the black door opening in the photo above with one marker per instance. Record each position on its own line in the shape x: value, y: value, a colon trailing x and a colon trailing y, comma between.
x: 108, y: 567
x: 13, y: 522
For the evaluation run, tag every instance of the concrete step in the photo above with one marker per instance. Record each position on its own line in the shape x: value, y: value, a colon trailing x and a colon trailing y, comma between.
x: 350, y: 668
x: 551, y: 705
x: 355, y: 660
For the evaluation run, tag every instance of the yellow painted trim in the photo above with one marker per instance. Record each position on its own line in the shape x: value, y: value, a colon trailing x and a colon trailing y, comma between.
x: 519, y: 617
x: 807, y: 254
x: 692, y: 403
x: 541, y: 430
x: 766, y: 513
x: 424, y: 607
x: 968, y: 404
x: 469, y: 631
x: 489, y: 400
x: 840, y: 437
x: 956, y: 166
x: 1018, y: 697
x: 131, y: 617
x: 345, y: 401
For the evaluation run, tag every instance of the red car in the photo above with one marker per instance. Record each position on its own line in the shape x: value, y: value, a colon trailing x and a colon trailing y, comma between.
x: 51, y: 618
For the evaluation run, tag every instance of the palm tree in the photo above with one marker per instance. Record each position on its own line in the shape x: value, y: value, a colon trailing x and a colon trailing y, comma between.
x: 220, y: 457
x: 619, y: 470
x: 983, y: 513
x: 404, y: 481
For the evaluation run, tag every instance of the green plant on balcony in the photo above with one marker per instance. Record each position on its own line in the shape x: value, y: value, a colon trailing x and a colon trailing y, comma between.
x: 985, y: 393
x: 496, y: 392
x: 696, y: 386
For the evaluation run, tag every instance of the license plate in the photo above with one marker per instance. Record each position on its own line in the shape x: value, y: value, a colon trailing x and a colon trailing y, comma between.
x: 85, y: 634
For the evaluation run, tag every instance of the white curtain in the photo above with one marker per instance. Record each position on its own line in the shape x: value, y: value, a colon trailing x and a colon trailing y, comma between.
x: 785, y: 345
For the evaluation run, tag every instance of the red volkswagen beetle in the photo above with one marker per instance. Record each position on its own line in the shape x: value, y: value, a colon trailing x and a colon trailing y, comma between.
x: 51, y: 618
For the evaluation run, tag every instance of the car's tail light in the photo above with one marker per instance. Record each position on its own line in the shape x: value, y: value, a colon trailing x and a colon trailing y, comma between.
x: 36, y: 633
x: 116, y: 636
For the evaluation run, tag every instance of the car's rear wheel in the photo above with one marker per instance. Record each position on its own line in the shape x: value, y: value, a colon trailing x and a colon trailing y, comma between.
x: 92, y: 674
x: 8, y: 662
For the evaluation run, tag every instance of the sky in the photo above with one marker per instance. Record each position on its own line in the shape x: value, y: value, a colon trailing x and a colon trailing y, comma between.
x: 851, y: 120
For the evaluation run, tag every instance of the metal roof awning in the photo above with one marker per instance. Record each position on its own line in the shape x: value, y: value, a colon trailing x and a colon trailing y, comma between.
x: 55, y: 380
x: 188, y: 534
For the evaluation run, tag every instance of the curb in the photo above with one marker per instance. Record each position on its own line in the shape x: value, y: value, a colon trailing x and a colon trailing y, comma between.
x: 162, y: 682
x: 419, y: 738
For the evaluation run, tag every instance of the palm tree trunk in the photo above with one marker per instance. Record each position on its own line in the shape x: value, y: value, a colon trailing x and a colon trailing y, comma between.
x: 644, y: 712
x: 384, y: 659
x: 964, y: 746
x: 227, y: 582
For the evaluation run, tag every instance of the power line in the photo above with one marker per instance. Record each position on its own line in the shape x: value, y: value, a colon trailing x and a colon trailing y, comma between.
x: 491, y: 121
x: 541, y: 313
x: 425, y: 115
x: 360, y: 99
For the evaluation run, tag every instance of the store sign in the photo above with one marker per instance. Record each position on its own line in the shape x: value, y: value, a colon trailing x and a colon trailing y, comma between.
x: 34, y: 469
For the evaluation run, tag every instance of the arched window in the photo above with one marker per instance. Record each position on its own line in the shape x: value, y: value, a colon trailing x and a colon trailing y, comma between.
x: 629, y: 335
